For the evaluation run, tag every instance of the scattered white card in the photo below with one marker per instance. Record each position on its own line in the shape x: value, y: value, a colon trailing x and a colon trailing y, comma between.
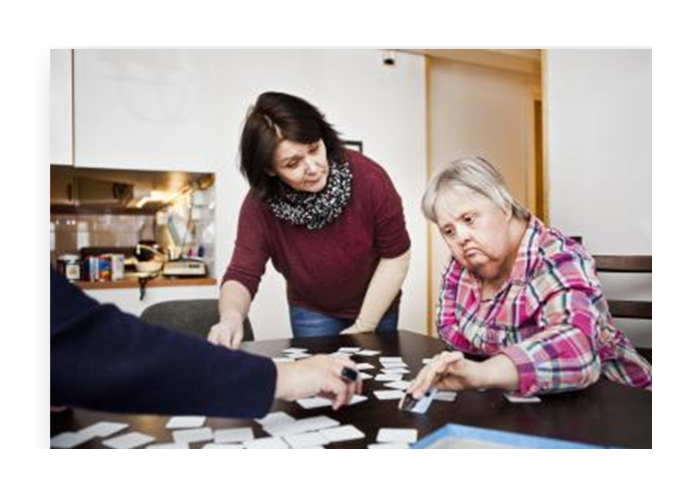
x: 365, y: 376
x: 181, y: 422
x: 393, y: 365
x: 388, y: 377
x: 395, y: 370
x: 297, y: 356
x: 368, y: 353
x: 167, y: 446
x: 233, y: 435
x: 103, y: 429
x: 402, y: 435
x: 301, y: 426
x: 304, y: 440
x: 398, y: 385
x: 128, y: 441
x: 69, y: 440
x: 342, y: 433
x: 445, y: 396
x: 314, y: 402
x: 295, y: 350
x: 422, y: 404
x: 388, y: 394
x: 389, y: 360
x: 357, y: 399
x: 193, y: 436
x: 517, y: 399
x: 349, y: 349
x: 266, y: 443
x: 364, y: 365
x: 275, y: 418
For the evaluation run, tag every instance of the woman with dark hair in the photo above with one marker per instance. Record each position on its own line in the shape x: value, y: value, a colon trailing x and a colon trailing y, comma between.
x: 329, y: 219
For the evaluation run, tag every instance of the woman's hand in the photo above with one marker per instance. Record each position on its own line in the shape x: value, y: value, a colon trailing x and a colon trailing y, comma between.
x: 228, y: 332
x: 447, y: 371
x: 452, y: 371
x: 318, y: 375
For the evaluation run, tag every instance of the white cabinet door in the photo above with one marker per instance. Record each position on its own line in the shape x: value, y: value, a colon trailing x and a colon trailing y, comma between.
x: 145, y: 109
x: 61, y: 107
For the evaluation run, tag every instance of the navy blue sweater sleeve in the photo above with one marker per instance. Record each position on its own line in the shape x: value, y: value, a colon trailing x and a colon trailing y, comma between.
x: 105, y: 359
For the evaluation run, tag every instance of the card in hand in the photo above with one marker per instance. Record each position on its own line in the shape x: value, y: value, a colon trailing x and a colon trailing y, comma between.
x: 420, y: 406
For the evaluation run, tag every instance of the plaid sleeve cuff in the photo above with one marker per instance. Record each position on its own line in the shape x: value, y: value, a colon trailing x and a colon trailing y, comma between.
x: 524, y: 363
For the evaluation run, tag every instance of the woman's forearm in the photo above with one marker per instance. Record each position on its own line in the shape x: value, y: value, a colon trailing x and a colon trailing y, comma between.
x: 234, y: 301
x: 382, y: 290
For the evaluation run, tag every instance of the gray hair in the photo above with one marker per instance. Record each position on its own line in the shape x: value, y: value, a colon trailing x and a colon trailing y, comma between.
x: 477, y: 175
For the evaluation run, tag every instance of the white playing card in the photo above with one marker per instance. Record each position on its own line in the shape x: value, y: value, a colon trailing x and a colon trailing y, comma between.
x: 266, y: 443
x: 388, y: 394
x: 393, y: 365
x: 368, y: 353
x: 304, y: 440
x: 388, y: 377
x: 231, y: 435
x: 349, y: 349
x: 193, y: 436
x: 301, y: 426
x: 297, y: 356
x: 342, y: 433
x: 68, y: 440
x: 398, y: 385
x: 167, y: 446
x: 423, y: 403
x: 275, y: 418
x: 364, y: 365
x: 314, y: 402
x: 223, y: 446
x: 103, y: 429
x: 390, y: 359
x: 181, y: 422
x: 357, y: 399
x: 365, y: 376
x: 295, y: 350
x: 395, y: 370
x: 517, y: 399
x: 445, y: 396
x: 128, y: 441
x: 403, y: 435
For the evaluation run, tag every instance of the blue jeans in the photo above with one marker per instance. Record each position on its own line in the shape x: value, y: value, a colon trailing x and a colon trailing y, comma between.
x: 309, y: 324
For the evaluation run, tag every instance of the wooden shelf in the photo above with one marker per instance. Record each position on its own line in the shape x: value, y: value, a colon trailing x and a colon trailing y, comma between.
x: 158, y: 282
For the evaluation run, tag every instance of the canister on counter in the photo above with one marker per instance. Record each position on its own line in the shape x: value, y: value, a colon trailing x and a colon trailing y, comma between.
x: 69, y: 266
x: 105, y: 267
x: 118, y: 263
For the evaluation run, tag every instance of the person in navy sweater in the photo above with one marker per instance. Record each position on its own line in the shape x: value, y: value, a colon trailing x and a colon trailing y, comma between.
x: 105, y: 359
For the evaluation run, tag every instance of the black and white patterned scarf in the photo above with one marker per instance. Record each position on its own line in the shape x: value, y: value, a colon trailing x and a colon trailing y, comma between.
x: 314, y: 210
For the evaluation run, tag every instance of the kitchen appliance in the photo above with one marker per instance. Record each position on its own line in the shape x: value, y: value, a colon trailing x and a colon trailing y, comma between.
x: 185, y: 267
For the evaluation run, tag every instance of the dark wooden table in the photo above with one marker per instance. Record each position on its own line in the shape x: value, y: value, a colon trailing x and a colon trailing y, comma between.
x: 606, y: 414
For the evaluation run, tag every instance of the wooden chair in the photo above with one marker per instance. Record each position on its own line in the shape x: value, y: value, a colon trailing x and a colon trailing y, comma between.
x: 627, y: 309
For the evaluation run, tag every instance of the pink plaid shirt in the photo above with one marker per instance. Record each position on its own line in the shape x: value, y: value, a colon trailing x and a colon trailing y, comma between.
x: 550, y: 318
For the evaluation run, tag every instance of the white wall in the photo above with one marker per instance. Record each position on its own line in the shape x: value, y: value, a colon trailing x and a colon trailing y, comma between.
x: 184, y: 109
x: 484, y: 112
x: 61, y: 152
x: 598, y: 122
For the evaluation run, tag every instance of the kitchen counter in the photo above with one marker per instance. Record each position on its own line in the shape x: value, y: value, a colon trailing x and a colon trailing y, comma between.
x: 132, y: 282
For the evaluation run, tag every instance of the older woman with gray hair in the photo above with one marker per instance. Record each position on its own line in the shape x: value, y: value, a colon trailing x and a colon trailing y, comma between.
x: 518, y: 293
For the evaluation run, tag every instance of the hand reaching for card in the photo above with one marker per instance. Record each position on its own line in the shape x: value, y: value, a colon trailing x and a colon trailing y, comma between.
x: 318, y: 375
x: 447, y: 371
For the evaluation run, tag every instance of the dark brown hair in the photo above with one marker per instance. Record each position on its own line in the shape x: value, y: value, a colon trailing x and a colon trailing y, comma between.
x: 273, y: 118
